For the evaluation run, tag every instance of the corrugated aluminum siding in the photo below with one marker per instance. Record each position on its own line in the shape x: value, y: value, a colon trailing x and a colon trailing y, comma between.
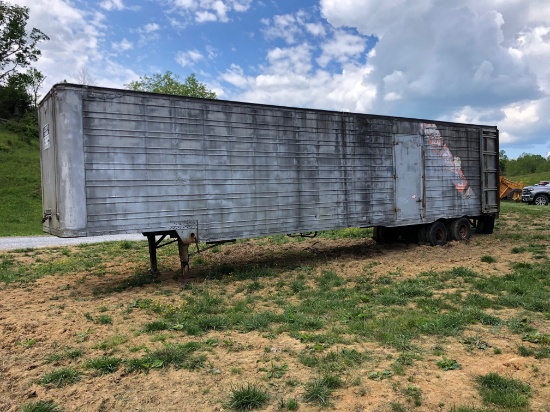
x: 239, y: 170
x: 242, y: 170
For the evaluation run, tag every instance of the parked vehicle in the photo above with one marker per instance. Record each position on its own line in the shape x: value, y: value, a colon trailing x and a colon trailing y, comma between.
x: 538, y: 194
x: 120, y: 161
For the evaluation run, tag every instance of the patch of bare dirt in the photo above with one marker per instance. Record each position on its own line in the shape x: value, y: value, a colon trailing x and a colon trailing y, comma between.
x: 47, y: 316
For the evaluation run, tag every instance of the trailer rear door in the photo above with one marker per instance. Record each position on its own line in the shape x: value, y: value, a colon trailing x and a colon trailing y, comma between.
x: 490, y: 171
x: 409, y: 175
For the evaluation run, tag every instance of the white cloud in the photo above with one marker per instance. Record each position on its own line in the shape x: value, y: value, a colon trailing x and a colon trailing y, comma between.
x: 211, y: 52
x: 293, y: 28
x: 189, y: 57
x: 235, y: 76
x: 316, y: 29
x: 112, y: 5
x: 484, y: 62
x: 151, y: 28
x: 185, y: 4
x: 204, y: 16
x: 343, y: 91
x: 525, y: 112
x: 370, y: 16
x: 461, y: 58
x: 148, y: 33
x: 122, y: 45
x: 113, y: 74
x: 76, y: 38
x: 394, y: 84
x: 289, y: 78
x: 201, y: 11
x: 533, y: 46
x: 524, y: 121
x: 221, y: 10
x: 286, y: 26
x: 296, y: 74
x: 342, y: 47
x: 295, y: 59
x: 241, y: 5
x: 301, y: 31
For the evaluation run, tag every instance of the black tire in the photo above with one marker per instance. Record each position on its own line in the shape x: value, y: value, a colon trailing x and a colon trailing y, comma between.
x: 436, y: 235
x: 541, y: 200
x: 460, y: 229
x: 422, y: 230
x: 485, y: 225
x: 384, y: 235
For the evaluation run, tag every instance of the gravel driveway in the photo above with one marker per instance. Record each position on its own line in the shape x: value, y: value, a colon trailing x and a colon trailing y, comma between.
x: 23, y: 242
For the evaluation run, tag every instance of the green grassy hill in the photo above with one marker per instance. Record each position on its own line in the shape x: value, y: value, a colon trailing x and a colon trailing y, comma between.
x: 530, y: 179
x: 20, y: 191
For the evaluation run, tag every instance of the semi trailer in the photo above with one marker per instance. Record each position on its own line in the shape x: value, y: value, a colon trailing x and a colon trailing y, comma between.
x: 187, y: 169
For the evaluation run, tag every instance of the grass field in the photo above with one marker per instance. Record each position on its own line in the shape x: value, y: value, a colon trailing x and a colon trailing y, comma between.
x: 20, y: 191
x: 281, y: 323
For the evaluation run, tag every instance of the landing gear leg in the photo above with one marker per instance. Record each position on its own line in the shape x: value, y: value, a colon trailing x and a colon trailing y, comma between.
x: 151, y: 239
x: 184, y: 237
x: 183, y: 249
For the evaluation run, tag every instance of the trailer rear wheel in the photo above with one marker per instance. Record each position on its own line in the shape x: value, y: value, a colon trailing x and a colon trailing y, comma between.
x: 436, y: 234
x: 422, y: 231
x: 460, y: 229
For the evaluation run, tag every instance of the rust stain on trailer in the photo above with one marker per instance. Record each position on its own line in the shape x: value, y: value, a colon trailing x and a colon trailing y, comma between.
x: 451, y: 164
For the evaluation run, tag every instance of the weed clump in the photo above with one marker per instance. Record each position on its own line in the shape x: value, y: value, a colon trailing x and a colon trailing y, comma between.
x: 104, y: 365
x: 41, y: 406
x: 499, y: 391
x: 61, y: 377
x: 320, y: 390
x: 246, y: 398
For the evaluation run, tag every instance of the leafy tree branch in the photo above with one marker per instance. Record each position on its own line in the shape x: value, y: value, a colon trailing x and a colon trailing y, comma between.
x: 17, y: 47
x: 169, y: 83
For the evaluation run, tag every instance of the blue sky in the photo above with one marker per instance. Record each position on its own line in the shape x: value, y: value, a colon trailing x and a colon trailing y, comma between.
x: 474, y: 61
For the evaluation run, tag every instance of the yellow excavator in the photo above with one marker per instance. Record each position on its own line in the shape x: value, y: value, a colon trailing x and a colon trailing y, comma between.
x: 510, y: 190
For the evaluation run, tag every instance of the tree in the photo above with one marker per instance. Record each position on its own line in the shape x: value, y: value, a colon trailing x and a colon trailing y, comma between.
x: 502, y: 160
x: 169, y: 83
x: 34, y: 80
x: 17, y: 47
x: 14, y: 99
x: 527, y: 164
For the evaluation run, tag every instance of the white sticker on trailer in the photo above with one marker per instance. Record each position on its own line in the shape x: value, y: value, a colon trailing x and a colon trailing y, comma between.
x: 46, y: 136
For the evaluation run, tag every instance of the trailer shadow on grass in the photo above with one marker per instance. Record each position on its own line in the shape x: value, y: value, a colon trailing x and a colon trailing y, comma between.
x: 251, y: 261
